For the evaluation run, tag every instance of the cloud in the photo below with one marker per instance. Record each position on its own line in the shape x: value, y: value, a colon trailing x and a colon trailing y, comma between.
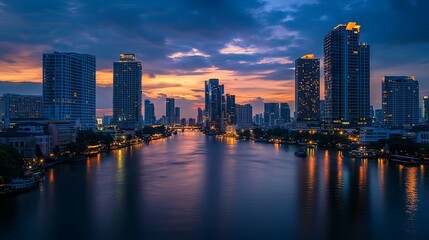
x: 235, y: 48
x: 192, y: 52
x: 270, y: 60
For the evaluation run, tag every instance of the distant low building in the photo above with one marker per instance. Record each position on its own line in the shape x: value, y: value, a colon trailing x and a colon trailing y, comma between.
x: 62, y: 133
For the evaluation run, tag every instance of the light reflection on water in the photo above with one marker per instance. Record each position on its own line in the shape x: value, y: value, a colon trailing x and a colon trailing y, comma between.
x: 192, y: 186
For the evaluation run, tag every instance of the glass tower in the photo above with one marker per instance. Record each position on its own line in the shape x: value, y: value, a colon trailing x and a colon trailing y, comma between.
x: 347, y: 76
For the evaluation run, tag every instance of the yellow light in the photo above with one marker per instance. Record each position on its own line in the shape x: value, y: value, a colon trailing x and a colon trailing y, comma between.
x: 308, y: 56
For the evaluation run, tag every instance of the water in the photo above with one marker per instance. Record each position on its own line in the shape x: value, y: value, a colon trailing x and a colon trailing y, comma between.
x: 192, y: 186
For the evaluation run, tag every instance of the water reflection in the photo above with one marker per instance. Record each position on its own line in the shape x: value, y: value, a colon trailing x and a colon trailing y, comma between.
x: 192, y: 186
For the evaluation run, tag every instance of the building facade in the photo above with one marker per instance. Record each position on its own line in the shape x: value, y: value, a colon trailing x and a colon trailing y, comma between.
x: 149, y: 112
x: 285, y: 112
x: 307, y: 88
x: 69, y: 88
x: 271, y: 113
x: 214, y: 105
x: 400, y: 101
x: 170, y: 104
x: 347, y: 76
x: 425, y: 109
x: 230, y: 109
x: 127, y: 92
x: 244, y: 115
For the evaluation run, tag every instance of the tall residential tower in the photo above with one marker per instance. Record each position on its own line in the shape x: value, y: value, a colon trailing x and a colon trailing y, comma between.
x: 400, y: 101
x: 127, y: 92
x: 69, y: 88
x: 307, y: 88
x: 347, y: 76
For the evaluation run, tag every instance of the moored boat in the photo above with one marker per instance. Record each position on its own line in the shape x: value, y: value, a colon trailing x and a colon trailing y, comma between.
x: 16, y: 185
x: 366, y: 153
x: 300, y: 153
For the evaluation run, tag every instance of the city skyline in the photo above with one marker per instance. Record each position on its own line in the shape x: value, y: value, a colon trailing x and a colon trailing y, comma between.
x: 257, y: 49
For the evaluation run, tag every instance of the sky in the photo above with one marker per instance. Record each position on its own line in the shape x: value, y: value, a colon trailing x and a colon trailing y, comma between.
x: 250, y: 45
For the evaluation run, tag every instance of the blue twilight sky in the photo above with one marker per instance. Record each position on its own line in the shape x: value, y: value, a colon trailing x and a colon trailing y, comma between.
x: 249, y: 44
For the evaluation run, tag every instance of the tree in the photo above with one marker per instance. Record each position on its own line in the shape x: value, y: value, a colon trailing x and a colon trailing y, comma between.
x: 11, y: 162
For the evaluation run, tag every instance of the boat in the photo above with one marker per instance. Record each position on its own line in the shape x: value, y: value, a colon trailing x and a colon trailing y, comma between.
x: 300, y: 153
x: 16, y: 185
x: 409, y: 160
x: 367, y: 153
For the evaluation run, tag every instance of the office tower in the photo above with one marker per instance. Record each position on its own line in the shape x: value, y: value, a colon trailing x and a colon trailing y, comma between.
x: 214, y: 105
x: 400, y: 101
x: 244, y: 115
x: 347, y: 76
x: 425, y: 109
x: 271, y: 113
x: 182, y: 122
x: 307, y: 88
x: 169, y: 111
x: 69, y: 88
x: 127, y: 92
x: 177, y: 115
x: 285, y: 112
x: 230, y: 109
x: 149, y: 112
x: 259, y: 119
x: 200, y: 118
x: 14, y: 106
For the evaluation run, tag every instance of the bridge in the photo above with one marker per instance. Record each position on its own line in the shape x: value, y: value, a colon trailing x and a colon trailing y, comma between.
x: 185, y: 127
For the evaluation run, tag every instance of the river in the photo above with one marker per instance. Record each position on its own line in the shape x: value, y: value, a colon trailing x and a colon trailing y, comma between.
x: 192, y: 186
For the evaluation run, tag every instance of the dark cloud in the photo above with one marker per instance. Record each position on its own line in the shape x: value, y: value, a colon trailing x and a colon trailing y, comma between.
x: 155, y: 30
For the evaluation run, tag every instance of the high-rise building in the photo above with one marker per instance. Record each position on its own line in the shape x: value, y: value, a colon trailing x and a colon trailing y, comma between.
x: 69, y: 88
x: 127, y: 92
x: 347, y: 76
x: 307, y: 88
x: 425, y: 109
x: 200, y: 118
x: 14, y: 106
x: 169, y: 111
x: 271, y: 113
x: 230, y: 109
x: 285, y: 112
x: 400, y: 101
x: 259, y: 119
x: 177, y: 115
x: 214, y: 105
x: 244, y: 115
x: 149, y: 112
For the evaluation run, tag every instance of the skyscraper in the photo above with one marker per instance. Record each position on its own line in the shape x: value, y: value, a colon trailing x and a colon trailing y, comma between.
x: 200, y: 118
x: 127, y: 92
x: 149, y: 112
x: 400, y: 101
x: 347, y: 76
x: 230, y: 109
x: 69, y: 88
x: 177, y: 115
x: 169, y: 111
x: 271, y: 113
x: 285, y: 112
x: 425, y: 109
x: 307, y: 88
x: 244, y: 115
x: 214, y: 105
